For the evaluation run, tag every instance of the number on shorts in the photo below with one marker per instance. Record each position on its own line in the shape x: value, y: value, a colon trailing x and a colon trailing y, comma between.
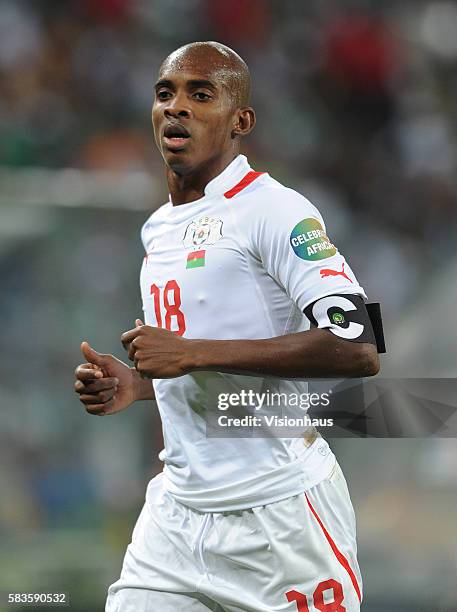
x: 300, y: 599
x: 335, y: 605
x: 318, y: 597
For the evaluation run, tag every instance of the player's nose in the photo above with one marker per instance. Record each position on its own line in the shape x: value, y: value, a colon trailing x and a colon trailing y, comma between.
x: 177, y: 106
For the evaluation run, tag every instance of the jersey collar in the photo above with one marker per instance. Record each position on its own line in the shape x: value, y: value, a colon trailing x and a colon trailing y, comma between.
x: 229, y: 177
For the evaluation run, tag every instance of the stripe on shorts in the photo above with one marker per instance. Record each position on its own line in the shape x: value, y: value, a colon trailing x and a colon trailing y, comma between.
x: 338, y: 554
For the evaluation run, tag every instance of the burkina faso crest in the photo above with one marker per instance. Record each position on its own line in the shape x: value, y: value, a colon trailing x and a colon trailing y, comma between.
x: 205, y: 230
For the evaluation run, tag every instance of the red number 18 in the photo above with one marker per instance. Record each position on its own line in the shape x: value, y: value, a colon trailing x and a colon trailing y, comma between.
x: 318, y: 598
x: 172, y: 309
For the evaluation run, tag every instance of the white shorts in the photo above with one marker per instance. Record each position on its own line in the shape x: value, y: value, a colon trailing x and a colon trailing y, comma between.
x: 298, y: 554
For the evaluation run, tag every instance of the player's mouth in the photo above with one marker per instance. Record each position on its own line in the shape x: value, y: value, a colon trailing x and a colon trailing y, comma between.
x: 175, y: 136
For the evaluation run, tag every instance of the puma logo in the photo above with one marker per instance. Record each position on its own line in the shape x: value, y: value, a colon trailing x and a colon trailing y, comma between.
x: 328, y: 272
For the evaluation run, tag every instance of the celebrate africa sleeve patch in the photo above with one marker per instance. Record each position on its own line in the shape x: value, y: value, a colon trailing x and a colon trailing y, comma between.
x: 309, y: 241
x: 196, y: 259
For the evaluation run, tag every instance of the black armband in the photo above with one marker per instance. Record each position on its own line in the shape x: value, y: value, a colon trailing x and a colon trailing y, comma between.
x: 344, y: 315
x: 374, y: 312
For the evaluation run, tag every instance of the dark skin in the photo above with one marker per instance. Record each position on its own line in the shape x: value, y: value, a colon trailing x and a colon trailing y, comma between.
x: 199, y: 115
x: 206, y: 94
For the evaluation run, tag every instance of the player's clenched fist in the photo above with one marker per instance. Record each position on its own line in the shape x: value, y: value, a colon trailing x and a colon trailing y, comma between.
x: 105, y: 385
x: 155, y: 352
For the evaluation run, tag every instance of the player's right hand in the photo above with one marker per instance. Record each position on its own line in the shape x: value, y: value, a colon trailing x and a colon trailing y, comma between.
x: 105, y: 384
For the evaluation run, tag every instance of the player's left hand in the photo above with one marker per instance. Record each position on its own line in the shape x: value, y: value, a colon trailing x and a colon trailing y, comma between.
x: 156, y: 352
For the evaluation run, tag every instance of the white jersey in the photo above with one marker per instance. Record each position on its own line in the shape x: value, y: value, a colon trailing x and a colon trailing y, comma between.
x: 242, y: 262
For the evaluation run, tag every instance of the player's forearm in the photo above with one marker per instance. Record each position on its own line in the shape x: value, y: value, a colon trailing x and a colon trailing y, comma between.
x: 143, y: 389
x: 316, y: 353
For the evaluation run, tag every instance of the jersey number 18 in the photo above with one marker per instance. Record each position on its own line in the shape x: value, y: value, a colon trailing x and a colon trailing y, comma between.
x: 172, y: 308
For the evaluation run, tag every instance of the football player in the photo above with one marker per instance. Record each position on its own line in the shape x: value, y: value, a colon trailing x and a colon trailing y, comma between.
x: 239, y: 278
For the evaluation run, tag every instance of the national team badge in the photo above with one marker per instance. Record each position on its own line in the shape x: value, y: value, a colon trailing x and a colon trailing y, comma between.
x: 205, y: 230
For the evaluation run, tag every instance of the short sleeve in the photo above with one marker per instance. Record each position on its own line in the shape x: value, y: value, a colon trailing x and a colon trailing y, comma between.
x: 289, y: 236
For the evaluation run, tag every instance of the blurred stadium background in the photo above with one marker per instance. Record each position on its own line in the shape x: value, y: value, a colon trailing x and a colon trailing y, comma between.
x: 356, y: 109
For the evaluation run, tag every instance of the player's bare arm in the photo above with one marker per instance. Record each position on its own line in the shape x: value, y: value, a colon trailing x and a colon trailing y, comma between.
x: 106, y: 385
x: 158, y: 353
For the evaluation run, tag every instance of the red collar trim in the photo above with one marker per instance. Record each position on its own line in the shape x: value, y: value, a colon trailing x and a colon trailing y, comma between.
x: 245, y: 181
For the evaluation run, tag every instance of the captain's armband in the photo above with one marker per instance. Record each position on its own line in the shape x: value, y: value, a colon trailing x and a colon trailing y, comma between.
x: 345, y: 316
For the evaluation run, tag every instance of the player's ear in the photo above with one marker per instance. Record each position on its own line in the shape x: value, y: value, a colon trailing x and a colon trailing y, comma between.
x: 244, y: 122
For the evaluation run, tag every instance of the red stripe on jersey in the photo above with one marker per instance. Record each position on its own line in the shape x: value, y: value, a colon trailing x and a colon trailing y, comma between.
x: 245, y: 181
x: 338, y: 554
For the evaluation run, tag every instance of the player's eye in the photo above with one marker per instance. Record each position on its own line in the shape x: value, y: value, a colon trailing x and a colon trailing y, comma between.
x: 201, y: 95
x: 163, y: 94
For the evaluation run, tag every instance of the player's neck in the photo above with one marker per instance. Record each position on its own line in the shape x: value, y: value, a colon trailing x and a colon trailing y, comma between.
x: 188, y: 187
